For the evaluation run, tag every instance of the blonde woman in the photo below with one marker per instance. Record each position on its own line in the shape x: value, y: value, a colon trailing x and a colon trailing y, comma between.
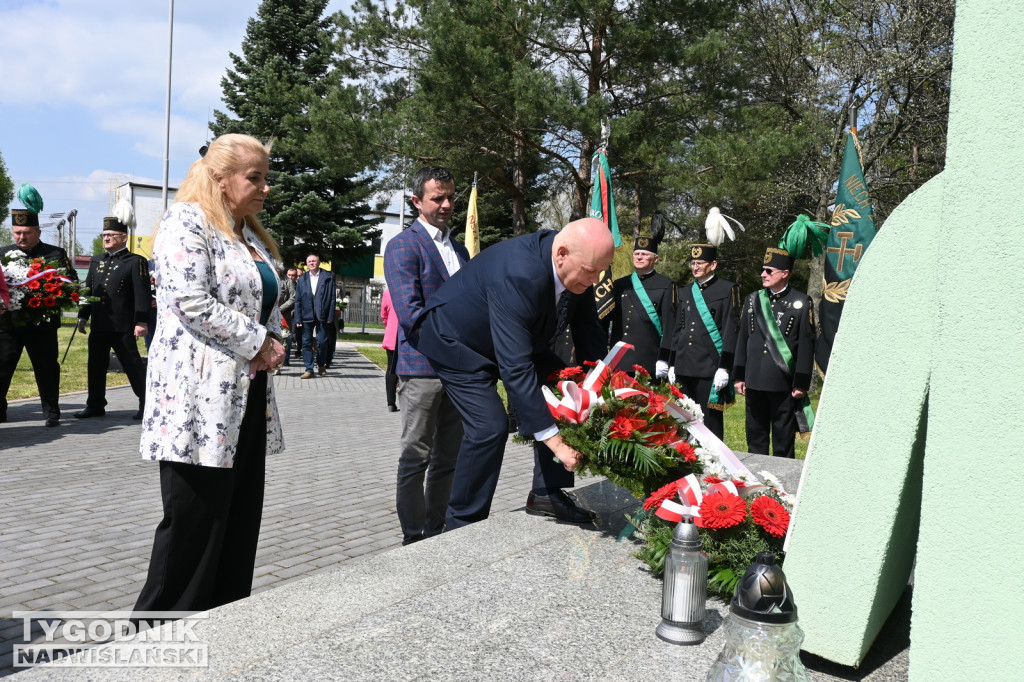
x: 210, y: 417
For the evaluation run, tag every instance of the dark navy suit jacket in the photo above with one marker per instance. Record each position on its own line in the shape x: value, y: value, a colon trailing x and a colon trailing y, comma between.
x: 320, y: 307
x: 496, y: 317
x: 414, y: 272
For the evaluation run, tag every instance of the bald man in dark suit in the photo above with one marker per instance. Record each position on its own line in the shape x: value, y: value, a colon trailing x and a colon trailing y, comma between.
x: 495, y: 319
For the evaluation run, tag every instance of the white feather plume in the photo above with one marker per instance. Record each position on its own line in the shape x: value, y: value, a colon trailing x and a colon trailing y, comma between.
x: 717, y: 227
x: 124, y: 213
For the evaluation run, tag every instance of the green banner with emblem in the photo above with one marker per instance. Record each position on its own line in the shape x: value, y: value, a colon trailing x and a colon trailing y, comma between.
x: 853, y: 228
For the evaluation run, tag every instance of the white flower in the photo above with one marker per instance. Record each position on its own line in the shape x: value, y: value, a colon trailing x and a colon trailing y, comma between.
x: 772, y: 480
x: 691, y: 407
x: 17, y: 293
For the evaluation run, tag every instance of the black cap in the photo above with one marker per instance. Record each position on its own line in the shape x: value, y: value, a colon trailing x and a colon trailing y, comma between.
x: 763, y: 595
x: 779, y: 259
x: 705, y: 252
x: 643, y: 243
x: 111, y: 224
x: 22, y: 217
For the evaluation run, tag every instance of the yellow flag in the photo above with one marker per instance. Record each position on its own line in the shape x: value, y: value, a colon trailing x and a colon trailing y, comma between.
x: 472, y: 225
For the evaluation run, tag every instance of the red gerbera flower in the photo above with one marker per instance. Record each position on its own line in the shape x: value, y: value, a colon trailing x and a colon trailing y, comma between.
x: 49, y: 301
x: 74, y: 296
x: 570, y: 372
x: 770, y: 515
x: 589, y: 363
x: 621, y: 428
x: 656, y: 401
x: 660, y: 495
x: 687, y: 451
x: 34, y: 302
x: 722, y: 510
x: 641, y: 371
x: 710, y: 480
x: 676, y: 392
x: 34, y: 285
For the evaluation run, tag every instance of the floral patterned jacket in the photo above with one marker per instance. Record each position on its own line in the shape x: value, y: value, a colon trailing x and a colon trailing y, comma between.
x: 208, y: 293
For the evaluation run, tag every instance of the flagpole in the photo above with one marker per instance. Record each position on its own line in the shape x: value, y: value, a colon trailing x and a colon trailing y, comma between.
x: 167, y: 118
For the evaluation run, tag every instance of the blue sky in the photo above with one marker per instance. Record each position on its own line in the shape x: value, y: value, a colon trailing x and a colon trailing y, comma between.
x: 84, y: 93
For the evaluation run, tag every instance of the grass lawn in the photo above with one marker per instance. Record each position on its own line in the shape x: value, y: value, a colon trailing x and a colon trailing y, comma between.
x: 72, y: 373
x: 735, y: 421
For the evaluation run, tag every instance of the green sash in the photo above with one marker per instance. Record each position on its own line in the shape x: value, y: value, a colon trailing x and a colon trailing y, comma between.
x: 728, y: 395
x: 645, y: 300
x: 805, y: 415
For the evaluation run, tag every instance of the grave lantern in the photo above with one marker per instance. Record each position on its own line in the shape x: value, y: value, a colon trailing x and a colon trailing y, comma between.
x: 762, y: 638
x: 685, y: 589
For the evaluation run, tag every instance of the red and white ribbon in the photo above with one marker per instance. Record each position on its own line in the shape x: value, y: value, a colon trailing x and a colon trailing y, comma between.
x: 711, y: 442
x: 578, y: 399
x: 39, y: 275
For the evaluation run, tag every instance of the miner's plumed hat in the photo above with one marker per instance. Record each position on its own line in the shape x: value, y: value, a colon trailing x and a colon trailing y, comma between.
x: 28, y: 216
x: 645, y: 243
x: 717, y: 227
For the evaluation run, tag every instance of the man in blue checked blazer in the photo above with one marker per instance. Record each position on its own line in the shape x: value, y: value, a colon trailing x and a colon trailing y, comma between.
x: 416, y: 263
x: 496, y: 320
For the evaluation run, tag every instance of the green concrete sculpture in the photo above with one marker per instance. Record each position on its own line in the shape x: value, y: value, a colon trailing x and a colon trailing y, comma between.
x: 916, y: 452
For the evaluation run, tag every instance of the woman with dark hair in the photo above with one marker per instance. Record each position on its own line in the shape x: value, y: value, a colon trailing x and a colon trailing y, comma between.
x: 210, y: 417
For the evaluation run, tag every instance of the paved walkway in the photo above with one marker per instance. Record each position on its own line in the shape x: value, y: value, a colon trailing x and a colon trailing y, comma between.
x: 78, y: 506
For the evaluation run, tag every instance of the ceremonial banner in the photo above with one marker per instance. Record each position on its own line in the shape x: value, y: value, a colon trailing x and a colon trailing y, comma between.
x: 602, y: 206
x: 853, y: 228
x: 472, y: 225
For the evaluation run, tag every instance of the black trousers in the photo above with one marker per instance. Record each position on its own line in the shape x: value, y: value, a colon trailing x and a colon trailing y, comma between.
x: 127, y: 351
x: 699, y: 389
x: 41, y: 343
x: 774, y: 411
x: 204, y: 552
x: 391, y: 375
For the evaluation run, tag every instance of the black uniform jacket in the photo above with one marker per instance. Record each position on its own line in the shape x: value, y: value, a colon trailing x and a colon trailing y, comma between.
x: 121, y: 282
x: 632, y: 324
x: 754, y: 364
x: 692, y: 350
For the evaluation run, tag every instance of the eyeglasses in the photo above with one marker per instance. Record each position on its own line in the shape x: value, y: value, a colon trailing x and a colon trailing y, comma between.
x: 111, y: 235
x: 771, y: 271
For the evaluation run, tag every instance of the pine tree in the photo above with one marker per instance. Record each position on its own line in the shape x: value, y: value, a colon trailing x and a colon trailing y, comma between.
x: 6, y: 195
x: 285, y: 67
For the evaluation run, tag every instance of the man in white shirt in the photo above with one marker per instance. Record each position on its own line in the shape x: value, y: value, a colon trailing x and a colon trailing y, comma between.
x: 416, y: 263
x: 314, y: 310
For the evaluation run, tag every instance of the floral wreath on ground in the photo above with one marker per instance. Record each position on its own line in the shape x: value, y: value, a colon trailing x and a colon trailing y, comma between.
x: 39, y: 289
x: 649, y: 437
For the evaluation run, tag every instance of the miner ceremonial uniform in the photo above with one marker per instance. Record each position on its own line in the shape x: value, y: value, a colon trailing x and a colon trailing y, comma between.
x: 769, y: 382
x: 39, y: 340
x: 645, y: 303
x: 693, y: 352
x: 632, y: 323
x: 120, y: 281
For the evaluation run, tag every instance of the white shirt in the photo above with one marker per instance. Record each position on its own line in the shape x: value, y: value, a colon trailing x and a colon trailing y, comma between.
x: 559, y: 288
x: 443, y: 242
x: 314, y: 277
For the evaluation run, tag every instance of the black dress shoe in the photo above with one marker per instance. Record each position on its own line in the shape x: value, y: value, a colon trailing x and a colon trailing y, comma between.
x: 53, y: 421
x: 559, y: 505
x: 89, y: 412
x: 138, y: 415
x: 392, y: 408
